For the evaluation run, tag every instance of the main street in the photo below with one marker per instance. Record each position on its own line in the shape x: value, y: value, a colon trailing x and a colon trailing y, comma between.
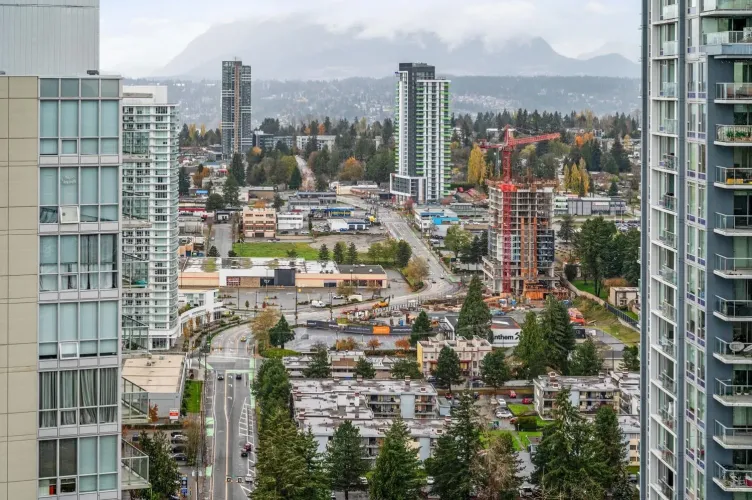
x: 231, y: 420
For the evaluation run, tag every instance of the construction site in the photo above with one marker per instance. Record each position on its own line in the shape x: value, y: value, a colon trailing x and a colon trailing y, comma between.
x: 520, y: 261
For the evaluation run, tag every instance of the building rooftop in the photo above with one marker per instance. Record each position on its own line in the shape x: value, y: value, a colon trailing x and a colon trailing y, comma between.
x: 158, y: 374
x: 459, y: 342
x: 361, y: 269
x: 504, y: 322
x: 555, y: 382
x: 630, y: 424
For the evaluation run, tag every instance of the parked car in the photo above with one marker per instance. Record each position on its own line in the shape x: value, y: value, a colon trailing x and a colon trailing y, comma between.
x: 220, y: 376
x: 243, y: 339
x: 179, y: 439
x: 527, y: 401
x: 238, y: 376
x: 180, y: 457
x: 178, y: 449
x: 176, y: 433
x: 243, y: 453
x: 338, y: 297
x: 512, y: 394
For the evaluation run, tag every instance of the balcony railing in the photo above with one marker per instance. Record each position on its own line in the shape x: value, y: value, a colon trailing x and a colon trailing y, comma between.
x: 668, y: 89
x: 733, y: 394
x: 669, y: 11
x: 668, y: 126
x: 733, y: 176
x: 668, y: 418
x: 670, y: 48
x: 733, y: 265
x: 668, y: 346
x: 668, y: 310
x: 668, y: 274
x: 668, y: 202
x: 668, y: 383
x: 733, y: 308
x: 733, y: 352
x: 666, y: 489
x: 733, y: 91
x: 667, y: 238
x: 741, y: 134
x: 733, y: 478
x: 733, y: 437
x: 668, y: 162
x: 724, y: 37
x: 725, y: 222
x: 134, y: 470
x: 667, y: 454
x: 714, y: 5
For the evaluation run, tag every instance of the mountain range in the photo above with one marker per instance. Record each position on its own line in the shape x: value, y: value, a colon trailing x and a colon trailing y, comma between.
x: 301, y: 49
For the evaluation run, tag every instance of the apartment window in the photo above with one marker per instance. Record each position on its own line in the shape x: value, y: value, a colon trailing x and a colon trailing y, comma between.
x: 77, y: 464
x: 73, y: 329
x: 83, y: 397
x: 62, y: 267
x: 95, y: 189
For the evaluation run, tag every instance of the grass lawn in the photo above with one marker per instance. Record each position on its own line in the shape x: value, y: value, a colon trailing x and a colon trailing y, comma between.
x: 192, y: 396
x: 518, y: 409
x: 541, y: 422
x: 633, y: 469
x: 632, y: 315
x: 515, y: 438
x: 276, y: 249
x: 275, y: 352
x: 606, y: 321
x: 589, y: 287
x: 523, y: 437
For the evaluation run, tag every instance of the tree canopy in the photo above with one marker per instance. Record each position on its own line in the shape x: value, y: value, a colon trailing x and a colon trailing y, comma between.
x: 475, y: 316
x: 397, y: 474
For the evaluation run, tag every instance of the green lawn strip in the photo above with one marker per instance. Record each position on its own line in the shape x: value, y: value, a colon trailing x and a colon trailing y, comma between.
x: 492, y: 434
x: 604, y: 320
x: 588, y: 287
x: 524, y: 437
x: 275, y: 250
x: 518, y: 409
x: 192, y: 396
x: 275, y: 352
x: 632, y: 315
x: 633, y: 469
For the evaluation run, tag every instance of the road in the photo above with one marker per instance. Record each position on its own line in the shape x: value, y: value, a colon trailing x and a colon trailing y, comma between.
x: 231, y: 407
x: 222, y: 238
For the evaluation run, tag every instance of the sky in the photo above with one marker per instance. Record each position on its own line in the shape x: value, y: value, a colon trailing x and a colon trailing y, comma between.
x: 140, y: 36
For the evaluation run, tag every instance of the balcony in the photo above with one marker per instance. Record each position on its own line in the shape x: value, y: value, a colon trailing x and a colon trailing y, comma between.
x: 665, y: 489
x: 733, y: 478
x: 670, y: 48
x: 733, y: 310
x: 727, y: 37
x: 667, y: 383
x: 668, y: 274
x: 733, y: 438
x: 733, y: 178
x: 733, y: 135
x: 668, y: 162
x: 733, y: 395
x: 733, y: 225
x: 733, y: 353
x: 733, y: 92
x: 667, y: 418
x: 726, y: 7
x: 667, y: 310
x: 668, y: 89
x: 733, y: 267
x: 134, y: 403
x: 669, y: 12
x: 668, y: 126
x: 668, y: 202
x: 134, y: 468
x: 668, y: 346
x: 667, y: 455
x: 667, y: 238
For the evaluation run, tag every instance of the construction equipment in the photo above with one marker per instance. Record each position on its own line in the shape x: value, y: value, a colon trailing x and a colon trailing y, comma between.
x: 507, y: 187
x: 381, y: 303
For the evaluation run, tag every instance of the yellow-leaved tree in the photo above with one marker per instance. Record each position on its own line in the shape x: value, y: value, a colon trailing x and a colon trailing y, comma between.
x: 574, y: 179
x: 567, y: 177
x: 584, y: 178
x: 476, y: 166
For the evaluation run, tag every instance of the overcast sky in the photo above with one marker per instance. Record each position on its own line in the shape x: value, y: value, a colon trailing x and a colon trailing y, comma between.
x: 140, y: 36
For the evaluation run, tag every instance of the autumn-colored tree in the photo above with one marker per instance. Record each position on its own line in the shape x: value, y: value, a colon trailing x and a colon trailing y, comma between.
x: 627, y: 142
x: 198, y: 177
x: 567, y: 177
x: 348, y: 344
x: 402, y: 344
x: 256, y: 151
x: 476, y: 166
x: 584, y: 178
x: 186, y: 331
x: 373, y: 344
x: 574, y: 179
x: 322, y: 129
x: 259, y: 204
x: 352, y: 170
x: 153, y: 413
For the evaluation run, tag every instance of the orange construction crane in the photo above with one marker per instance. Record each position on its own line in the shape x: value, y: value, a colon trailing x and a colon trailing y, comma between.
x: 507, y: 187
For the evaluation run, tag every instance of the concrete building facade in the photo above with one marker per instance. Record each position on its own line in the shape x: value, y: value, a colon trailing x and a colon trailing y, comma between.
x: 237, y: 133
x: 470, y: 351
x: 150, y: 217
x: 259, y: 222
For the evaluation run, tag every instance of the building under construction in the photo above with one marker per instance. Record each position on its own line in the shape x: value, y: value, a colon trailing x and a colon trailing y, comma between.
x: 520, y: 258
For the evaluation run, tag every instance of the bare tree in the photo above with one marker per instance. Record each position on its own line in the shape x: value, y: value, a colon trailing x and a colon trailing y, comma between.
x: 193, y: 445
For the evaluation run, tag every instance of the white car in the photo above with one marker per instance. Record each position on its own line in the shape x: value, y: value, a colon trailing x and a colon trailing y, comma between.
x: 503, y: 414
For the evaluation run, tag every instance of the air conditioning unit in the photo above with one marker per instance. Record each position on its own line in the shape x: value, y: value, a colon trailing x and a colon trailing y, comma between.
x: 69, y: 214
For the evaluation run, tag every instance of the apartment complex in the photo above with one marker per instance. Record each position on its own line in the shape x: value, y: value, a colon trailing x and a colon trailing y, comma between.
x: 696, y: 235
x: 422, y: 135
x: 150, y: 218
x: 587, y: 394
x: 470, y: 351
x: 521, y: 240
x: 237, y: 134
x: 259, y: 222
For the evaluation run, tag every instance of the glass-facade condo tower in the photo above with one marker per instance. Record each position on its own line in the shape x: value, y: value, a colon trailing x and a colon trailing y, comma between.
x: 150, y: 219
x: 237, y: 133
x: 697, y: 250
x: 422, y: 135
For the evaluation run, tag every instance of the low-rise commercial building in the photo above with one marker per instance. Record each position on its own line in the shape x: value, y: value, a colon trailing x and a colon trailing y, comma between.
x: 261, y: 193
x: 440, y: 225
x: 342, y: 364
x: 162, y: 377
x: 344, y: 225
x: 199, y: 307
x: 259, y: 222
x: 587, y: 394
x: 371, y: 406
x: 268, y: 142
x: 424, y: 216
x: 589, y: 205
x: 291, y: 222
x: 470, y: 351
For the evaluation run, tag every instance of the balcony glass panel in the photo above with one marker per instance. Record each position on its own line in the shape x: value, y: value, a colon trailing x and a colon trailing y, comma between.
x: 668, y: 126
x: 733, y: 91
x: 668, y: 238
x: 735, y: 351
x: 724, y: 37
x: 668, y: 89
x: 713, y: 5
x: 668, y: 162
x: 670, y: 48
x: 668, y: 310
x: 734, y: 308
x: 734, y: 133
x: 668, y: 202
x: 733, y: 222
x: 733, y: 436
x: 733, y: 478
x: 733, y: 176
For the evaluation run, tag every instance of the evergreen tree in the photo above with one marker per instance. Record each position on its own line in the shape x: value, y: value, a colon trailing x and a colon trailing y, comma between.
x: 531, y: 350
x: 184, y: 182
x: 213, y: 252
x: 162, y: 467
x: 613, y: 189
x: 586, y: 360
x: 231, y: 192
x: 279, y: 473
x: 345, y: 462
x: 352, y: 254
x: 607, y: 430
x: 421, y: 328
x: 451, y: 464
x: 364, y: 368
x: 281, y: 333
x: 631, y: 359
x: 339, y: 252
x: 319, y: 367
x: 558, y: 334
x: 295, y: 179
x: 475, y: 317
x: 405, y: 368
x: 447, y: 368
x: 398, y: 474
x: 594, y: 245
x: 404, y: 252
x: 215, y: 202
x: 566, y: 230
x: 236, y: 169
x: 323, y: 253
x: 271, y: 388
x: 620, y: 156
x: 278, y: 202
x: 315, y: 483
x: 494, y: 369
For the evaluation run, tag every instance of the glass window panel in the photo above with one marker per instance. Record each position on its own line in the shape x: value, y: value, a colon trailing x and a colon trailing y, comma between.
x: 48, y: 87
x: 107, y: 482
x: 88, y: 320
x: 69, y: 119
x: 108, y: 454
x: 88, y: 393
x: 89, y: 262
x: 89, y: 213
x: 110, y: 146
x: 89, y: 87
x: 47, y: 322
x: 48, y: 119
x: 110, y: 121
x: 68, y: 254
x: 108, y: 320
x: 47, y: 399
x: 68, y: 322
x: 89, y: 185
x: 89, y: 118
x: 48, y: 186
x: 70, y: 147
x: 48, y: 458
x: 109, y: 213
x: 108, y: 261
x: 48, y: 146
x: 110, y: 184
x: 87, y: 457
x: 69, y: 186
x: 89, y: 146
x: 48, y: 254
x: 68, y: 457
x: 68, y: 399
x: 110, y: 88
x: 108, y: 390
x: 69, y: 87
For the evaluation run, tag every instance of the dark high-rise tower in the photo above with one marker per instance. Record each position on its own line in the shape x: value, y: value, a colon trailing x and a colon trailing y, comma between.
x: 237, y: 136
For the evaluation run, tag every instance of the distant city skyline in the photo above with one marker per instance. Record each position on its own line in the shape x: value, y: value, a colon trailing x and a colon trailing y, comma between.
x: 128, y: 40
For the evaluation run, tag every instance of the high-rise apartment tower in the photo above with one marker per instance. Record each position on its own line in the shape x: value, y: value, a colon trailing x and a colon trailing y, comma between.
x: 150, y: 218
x: 696, y: 283
x: 237, y: 135
x: 422, y: 135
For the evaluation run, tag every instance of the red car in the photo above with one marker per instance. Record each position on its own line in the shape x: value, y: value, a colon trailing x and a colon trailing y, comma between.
x: 527, y: 401
x: 512, y: 394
